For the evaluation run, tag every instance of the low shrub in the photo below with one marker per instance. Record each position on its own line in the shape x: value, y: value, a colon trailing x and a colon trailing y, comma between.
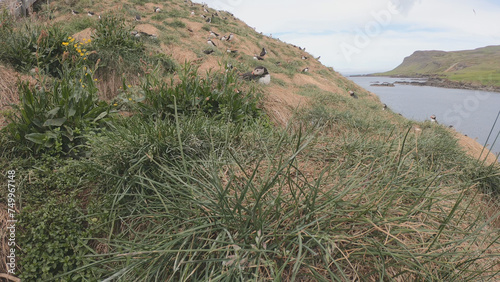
x: 55, y: 119
x: 112, y: 34
x: 53, y: 241
x: 32, y: 45
x: 216, y: 94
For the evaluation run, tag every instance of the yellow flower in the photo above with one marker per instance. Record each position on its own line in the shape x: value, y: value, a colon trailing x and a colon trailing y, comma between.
x: 69, y: 37
x: 95, y: 79
x: 130, y: 99
x: 76, y: 45
x: 115, y: 104
x: 129, y: 86
x: 71, y: 40
x: 81, y: 54
x: 83, y: 86
x: 65, y: 43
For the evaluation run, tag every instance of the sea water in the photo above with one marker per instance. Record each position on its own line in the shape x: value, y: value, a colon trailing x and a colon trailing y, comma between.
x: 470, y: 112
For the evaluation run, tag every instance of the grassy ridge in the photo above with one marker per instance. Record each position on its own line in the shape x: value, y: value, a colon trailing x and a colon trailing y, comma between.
x: 476, y: 66
x: 181, y: 176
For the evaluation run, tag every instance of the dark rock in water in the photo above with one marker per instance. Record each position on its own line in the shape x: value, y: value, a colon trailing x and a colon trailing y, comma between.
x: 386, y: 84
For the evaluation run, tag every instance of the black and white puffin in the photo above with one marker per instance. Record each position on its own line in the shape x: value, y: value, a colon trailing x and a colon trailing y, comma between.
x: 75, y: 12
x: 157, y: 9
x: 211, y: 43
x: 137, y: 17
x: 260, y: 74
x: 305, y: 70
x: 213, y: 34
x: 259, y: 58
x: 208, y: 51
x: 263, y: 52
x: 353, y: 94
x: 384, y: 107
x: 90, y: 14
x: 230, y: 37
x: 434, y: 119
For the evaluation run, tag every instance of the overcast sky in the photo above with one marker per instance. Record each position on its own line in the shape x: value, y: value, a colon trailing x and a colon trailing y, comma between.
x: 365, y: 36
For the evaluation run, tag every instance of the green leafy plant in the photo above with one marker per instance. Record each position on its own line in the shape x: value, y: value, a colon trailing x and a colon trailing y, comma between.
x: 31, y: 45
x: 53, y: 241
x: 113, y: 35
x: 55, y: 119
x: 216, y: 94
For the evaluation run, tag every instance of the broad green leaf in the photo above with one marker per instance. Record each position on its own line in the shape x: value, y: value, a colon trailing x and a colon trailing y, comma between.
x: 54, y: 122
x: 102, y: 115
x: 38, y: 138
x: 71, y: 111
x: 53, y: 112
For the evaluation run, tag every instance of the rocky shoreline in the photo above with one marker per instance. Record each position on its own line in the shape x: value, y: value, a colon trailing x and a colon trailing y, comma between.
x: 435, y: 81
x: 446, y: 83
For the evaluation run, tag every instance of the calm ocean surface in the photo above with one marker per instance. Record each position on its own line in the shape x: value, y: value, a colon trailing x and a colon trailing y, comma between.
x: 470, y: 112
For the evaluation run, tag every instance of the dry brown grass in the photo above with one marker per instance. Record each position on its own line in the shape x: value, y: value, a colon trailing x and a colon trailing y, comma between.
x: 9, y: 79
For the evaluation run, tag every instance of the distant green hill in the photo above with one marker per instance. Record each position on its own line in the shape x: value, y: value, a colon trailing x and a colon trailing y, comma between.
x: 476, y: 66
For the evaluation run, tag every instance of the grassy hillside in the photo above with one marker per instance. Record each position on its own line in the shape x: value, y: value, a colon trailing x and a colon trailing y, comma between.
x: 132, y: 158
x: 476, y: 66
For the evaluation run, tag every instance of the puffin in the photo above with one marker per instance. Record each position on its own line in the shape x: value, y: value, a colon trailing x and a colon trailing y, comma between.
x: 137, y: 17
x: 208, y: 51
x: 230, y: 37
x: 211, y: 43
x: 75, y: 12
x: 384, y: 107
x: 90, y: 14
x: 263, y: 52
x: 213, y: 34
x: 305, y: 70
x: 353, y: 94
x: 433, y: 119
x: 260, y: 74
x: 157, y: 9
x: 232, y: 51
x: 304, y: 58
x: 223, y: 38
x: 208, y: 20
x: 259, y: 58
